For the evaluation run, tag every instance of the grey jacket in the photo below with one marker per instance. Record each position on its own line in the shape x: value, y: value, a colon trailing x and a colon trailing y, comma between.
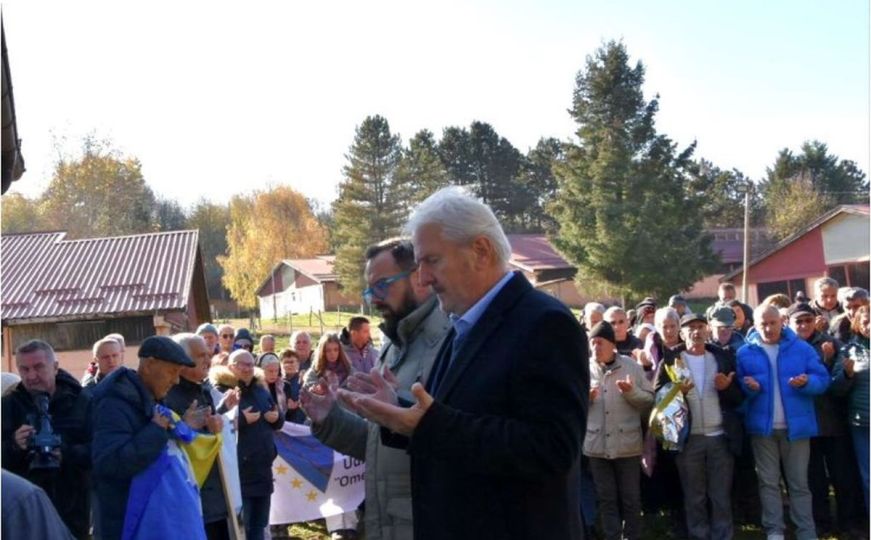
x: 388, y: 475
x: 614, y: 418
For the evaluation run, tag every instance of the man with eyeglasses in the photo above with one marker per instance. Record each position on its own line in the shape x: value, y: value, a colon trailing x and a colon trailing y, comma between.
x: 413, y: 328
x: 625, y: 341
x: 831, y: 452
x: 495, y: 430
x: 226, y: 333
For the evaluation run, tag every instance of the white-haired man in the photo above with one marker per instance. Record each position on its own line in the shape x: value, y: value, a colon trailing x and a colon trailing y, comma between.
x: 494, y: 436
x: 108, y: 355
x: 192, y: 398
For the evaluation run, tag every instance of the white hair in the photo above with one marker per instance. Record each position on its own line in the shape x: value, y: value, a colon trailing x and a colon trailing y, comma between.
x: 461, y: 218
x: 593, y: 307
x: 96, y: 348
x: 763, y: 309
x: 611, y: 311
x: 296, y: 335
x: 824, y: 282
x: 663, y: 314
x: 119, y: 338
x: 235, y: 355
x: 185, y: 339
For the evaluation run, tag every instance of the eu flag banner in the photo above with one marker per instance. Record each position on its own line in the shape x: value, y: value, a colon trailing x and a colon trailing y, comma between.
x: 312, y: 481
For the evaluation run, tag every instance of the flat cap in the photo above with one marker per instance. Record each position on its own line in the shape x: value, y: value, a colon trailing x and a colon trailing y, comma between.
x: 164, y: 348
x: 689, y: 318
x: 207, y: 328
x: 800, y: 308
x: 723, y: 316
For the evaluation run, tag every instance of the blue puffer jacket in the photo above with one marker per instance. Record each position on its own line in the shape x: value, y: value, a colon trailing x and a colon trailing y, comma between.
x: 794, y: 358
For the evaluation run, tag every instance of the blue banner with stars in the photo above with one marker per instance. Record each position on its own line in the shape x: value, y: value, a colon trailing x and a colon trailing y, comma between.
x: 312, y: 480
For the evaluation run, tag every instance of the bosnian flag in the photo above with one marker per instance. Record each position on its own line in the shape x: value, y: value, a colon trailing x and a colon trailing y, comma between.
x: 164, y: 498
x: 311, y: 480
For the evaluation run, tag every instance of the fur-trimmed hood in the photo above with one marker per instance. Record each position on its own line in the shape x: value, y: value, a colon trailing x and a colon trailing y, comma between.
x: 223, y: 378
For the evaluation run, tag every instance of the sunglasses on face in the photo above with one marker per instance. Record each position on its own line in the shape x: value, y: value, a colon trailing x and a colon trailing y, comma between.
x: 227, y: 336
x: 381, y: 287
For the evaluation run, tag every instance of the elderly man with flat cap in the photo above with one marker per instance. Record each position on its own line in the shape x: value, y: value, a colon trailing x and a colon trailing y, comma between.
x: 129, y: 433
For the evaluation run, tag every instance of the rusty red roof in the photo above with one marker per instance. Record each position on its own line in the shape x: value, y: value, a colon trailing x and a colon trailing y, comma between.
x: 533, y: 252
x: 320, y: 268
x: 43, y: 276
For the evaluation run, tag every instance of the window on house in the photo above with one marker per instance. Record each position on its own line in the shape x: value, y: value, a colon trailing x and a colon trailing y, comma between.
x: 789, y: 288
x: 850, y: 275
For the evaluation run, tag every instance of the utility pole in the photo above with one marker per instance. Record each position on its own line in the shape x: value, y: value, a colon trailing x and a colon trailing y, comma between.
x: 746, y: 242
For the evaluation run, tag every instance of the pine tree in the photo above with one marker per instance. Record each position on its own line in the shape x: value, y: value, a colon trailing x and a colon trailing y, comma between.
x: 624, y: 213
x: 372, y: 204
x: 420, y: 170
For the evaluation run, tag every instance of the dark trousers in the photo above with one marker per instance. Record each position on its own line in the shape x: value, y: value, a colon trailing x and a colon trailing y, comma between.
x: 218, y: 530
x: 832, y: 462
x: 618, y: 491
x: 255, y: 512
x: 705, y: 469
x: 746, y: 506
x: 861, y: 447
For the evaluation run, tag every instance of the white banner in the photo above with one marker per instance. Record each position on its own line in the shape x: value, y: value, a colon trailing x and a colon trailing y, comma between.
x: 311, y: 480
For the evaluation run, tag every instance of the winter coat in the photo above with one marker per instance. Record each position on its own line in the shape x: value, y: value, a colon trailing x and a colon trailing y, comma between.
x: 410, y: 356
x: 629, y: 344
x: 342, y: 374
x: 794, y: 357
x: 255, y: 447
x: 361, y: 360
x: 179, y: 399
x: 70, y: 411
x: 840, y: 328
x: 730, y: 398
x: 292, y: 388
x: 827, y: 314
x: 858, y: 387
x: 614, y: 419
x: 831, y: 408
x: 126, y: 442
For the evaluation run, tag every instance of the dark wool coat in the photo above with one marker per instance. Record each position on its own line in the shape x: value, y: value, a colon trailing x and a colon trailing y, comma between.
x: 497, y: 455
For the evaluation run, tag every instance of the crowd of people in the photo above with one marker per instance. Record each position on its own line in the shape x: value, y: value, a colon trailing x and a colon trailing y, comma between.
x: 489, y: 411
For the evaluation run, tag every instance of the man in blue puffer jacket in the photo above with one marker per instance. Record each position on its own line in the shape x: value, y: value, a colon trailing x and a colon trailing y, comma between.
x: 780, y: 374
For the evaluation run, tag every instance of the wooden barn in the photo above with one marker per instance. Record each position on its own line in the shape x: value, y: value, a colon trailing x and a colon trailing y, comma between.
x: 71, y: 293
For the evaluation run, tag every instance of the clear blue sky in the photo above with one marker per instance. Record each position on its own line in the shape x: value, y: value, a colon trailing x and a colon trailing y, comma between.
x: 218, y: 98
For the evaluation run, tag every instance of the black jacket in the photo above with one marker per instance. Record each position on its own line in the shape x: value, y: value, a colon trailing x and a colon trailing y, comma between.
x: 497, y: 455
x: 70, y: 411
x: 831, y: 409
x: 179, y: 399
x: 255, y: 446
x: 292, y: 387
x: 126, y: 442
x: 730, y: 398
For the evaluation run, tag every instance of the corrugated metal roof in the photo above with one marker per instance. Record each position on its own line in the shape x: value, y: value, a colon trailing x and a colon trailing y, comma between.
x: 320, y: 268
x: 533, y: 252
x: 44, y: 276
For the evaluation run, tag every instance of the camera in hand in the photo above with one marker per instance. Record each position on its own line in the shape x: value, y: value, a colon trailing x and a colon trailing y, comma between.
x: 44, y: 441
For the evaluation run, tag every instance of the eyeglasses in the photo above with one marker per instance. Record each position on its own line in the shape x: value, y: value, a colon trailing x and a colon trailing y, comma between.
x: 382, y: 286
x: 226, y: 335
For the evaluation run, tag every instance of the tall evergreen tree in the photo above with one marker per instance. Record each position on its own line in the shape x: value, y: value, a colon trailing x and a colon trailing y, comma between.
x: 540, y: 183
x: 420, y: 170
x: 722, y: 195
x: 623, y: 209
x: 372, y: 204
x: 480, y: 158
